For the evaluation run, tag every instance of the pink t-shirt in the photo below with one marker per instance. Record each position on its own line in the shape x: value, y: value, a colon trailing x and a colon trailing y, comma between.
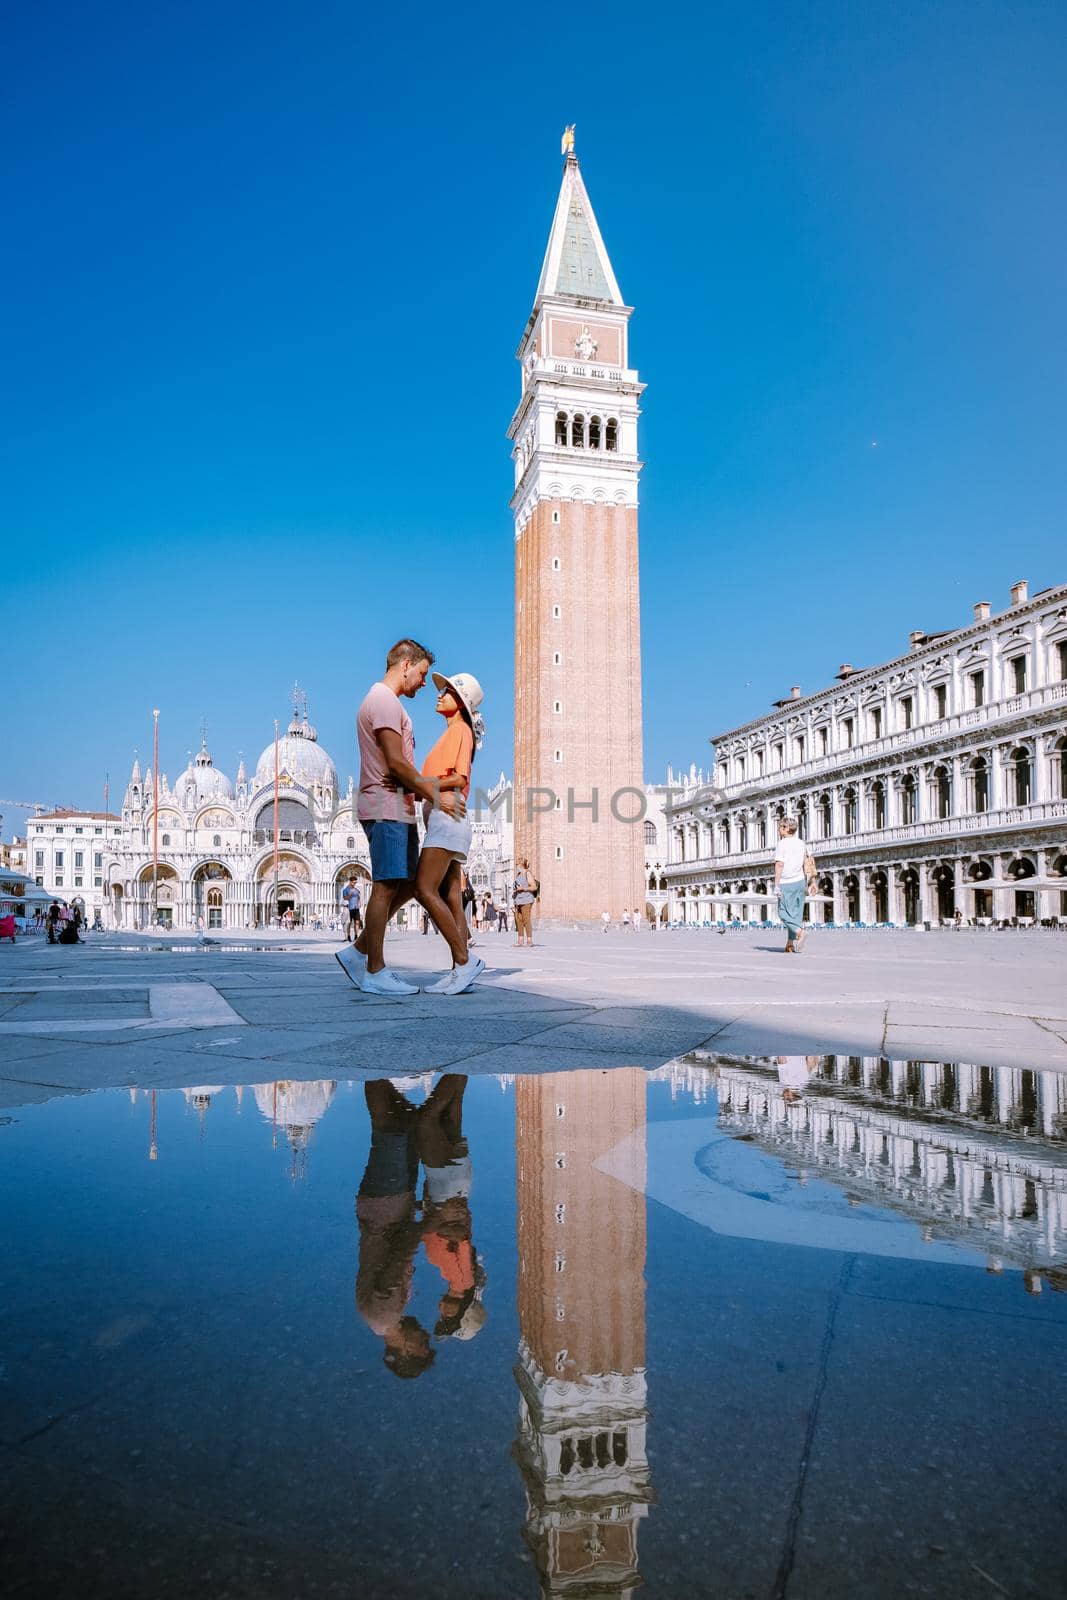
x: 379, y: 797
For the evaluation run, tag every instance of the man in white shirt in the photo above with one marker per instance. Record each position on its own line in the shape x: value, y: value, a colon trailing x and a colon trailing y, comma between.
x: 790, y: 882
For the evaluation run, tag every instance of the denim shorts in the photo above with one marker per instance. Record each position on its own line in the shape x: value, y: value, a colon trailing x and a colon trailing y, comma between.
x: 394, y: 850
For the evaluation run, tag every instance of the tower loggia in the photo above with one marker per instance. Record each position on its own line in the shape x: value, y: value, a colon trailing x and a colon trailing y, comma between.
x: 578, y: 755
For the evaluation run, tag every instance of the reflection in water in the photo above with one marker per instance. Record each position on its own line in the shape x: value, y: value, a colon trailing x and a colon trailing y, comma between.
x: 294, y: 1109
x: 925, y: 1138
x: 581, y: 1368
x: 391, y: 1227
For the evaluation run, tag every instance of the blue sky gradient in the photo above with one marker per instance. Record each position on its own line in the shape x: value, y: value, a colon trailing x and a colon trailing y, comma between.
x: 266, y: 267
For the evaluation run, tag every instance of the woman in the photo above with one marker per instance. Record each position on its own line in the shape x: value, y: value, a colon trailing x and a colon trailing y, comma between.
x: 523, y: 897
x: 439, y: 877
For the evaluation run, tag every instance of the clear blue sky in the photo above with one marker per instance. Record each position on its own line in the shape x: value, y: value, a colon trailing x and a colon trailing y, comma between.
x: 244, y: 443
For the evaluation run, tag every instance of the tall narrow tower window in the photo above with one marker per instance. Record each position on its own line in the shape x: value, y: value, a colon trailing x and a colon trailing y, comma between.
x: 555, y: 517
x: 556, y: 613
x: 561, y: 427
x: 555, y: 563
x: 611, y: 440
x: 557, y: 707
x: 594, y: 433
x: 578, y: 432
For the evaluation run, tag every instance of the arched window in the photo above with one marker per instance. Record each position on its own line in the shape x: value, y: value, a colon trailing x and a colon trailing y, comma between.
x: 942, y: 792
x: 350, y: 842
x: 802, y: 818
x: 850, y: 814
x: 878, y: 818
x: 611, y: 434
x: 1059, y: 770
x: 650, y: 834
x: 761, y: 832
x: 742, y: 833
x: 578, y: 431
x: 594, y: 433
x: 165, y: 841
x: 1022, y: 771
x: 826, y: 816
x: 561, y: 427
x: 909, y: 810
x: 216, y: 840
x: 979, y: 784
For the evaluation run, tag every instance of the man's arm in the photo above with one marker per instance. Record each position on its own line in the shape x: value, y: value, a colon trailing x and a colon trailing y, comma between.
x: 408, y: 777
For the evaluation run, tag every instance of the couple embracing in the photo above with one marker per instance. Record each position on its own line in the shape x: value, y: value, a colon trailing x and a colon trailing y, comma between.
x: 389, y: 785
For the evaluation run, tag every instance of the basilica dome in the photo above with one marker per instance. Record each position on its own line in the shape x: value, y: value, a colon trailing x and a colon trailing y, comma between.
x: 202, y: 780
x: 300, y: 757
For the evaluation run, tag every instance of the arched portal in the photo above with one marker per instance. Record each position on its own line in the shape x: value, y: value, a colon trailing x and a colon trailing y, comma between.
x: 157, y: 901
x: 880, y: 895
x: 211, y: 887
x: 909, y: 883
x: 1025, y: 901
x: 291, y: 894
x: 945, y: 884
x: 852, y: 896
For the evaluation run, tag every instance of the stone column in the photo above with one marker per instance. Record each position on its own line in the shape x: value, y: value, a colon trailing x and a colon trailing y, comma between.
x: 864, y: 876
x: 957, y: 889
x: 840, y: 897
x: 896, y: 893
x: 1003, y: 899
x: 997, y: 791
x: 1042, y: 769
x: 927, y: 892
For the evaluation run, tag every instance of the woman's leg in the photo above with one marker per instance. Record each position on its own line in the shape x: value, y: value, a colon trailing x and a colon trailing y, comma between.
x: 432, y: 871
x: 452, y: 893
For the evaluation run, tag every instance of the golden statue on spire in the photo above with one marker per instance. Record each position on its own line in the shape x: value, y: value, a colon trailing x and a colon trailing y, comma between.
x: 566, y: 144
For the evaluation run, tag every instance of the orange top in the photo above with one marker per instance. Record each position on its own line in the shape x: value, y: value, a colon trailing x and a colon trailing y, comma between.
x: 452, y: 753
x: 454, y: 1260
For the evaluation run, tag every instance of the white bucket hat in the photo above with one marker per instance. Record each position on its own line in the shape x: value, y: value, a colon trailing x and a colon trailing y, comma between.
x: 470, y: 694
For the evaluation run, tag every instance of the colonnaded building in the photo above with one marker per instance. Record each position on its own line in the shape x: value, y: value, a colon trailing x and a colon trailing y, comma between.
x: 933, y: 784
x: 216, y: 843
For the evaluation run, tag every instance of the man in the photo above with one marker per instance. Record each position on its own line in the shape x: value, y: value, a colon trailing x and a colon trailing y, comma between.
x: 389, y: 1232
x: 353, y: 900
x: 388, y: 783
x: 793, y: 871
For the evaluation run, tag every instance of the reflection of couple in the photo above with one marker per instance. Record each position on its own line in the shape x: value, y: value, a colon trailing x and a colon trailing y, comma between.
x: 389, y: 783
x: 390, y: 1229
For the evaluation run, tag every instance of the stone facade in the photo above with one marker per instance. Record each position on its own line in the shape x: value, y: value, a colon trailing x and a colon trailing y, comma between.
x: 578, y: 758
x: 931, y: 785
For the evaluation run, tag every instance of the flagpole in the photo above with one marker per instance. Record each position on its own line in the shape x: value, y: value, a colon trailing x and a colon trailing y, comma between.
x: 107, y: 791
x: 155, y: 816
x: 276, y: 913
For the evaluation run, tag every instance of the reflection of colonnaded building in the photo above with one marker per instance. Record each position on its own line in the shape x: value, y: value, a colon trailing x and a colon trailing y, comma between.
x: 581, y: 1370
x: 934, y: 783
x: 216, y: 842
x: 927, y: 1139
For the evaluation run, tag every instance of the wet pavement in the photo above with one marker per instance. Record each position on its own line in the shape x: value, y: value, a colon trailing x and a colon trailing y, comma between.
x: 741, y: 1325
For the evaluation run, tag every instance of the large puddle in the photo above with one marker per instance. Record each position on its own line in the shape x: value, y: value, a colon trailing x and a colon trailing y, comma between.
x: 775, y: 1326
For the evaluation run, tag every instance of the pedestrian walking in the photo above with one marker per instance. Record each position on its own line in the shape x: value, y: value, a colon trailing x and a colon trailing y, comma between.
x: 353, y: 901
x: 605, y: 918
x: 625, y: 920
x: 638, y: 920
x: 524, y: 892
x: 794, y: 871
x: 389, y: 782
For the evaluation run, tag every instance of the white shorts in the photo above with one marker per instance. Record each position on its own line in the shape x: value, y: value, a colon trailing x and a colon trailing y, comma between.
x: 449, y: 1183
x: 446, y: 833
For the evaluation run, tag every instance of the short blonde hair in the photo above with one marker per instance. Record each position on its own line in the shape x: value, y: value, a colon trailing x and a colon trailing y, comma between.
x: 787, y: 824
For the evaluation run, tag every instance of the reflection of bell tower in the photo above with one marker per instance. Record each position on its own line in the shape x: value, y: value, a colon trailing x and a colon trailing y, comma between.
x: 581, y: 1368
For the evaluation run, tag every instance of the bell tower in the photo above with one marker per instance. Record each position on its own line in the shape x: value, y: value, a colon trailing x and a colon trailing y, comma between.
x: 579, y: 770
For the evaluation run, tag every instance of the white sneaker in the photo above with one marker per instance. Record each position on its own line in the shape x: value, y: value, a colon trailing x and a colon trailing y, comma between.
x: 461, y: 978
x: 386, y: 982
x: 352, y: 964
x: 446, y: 985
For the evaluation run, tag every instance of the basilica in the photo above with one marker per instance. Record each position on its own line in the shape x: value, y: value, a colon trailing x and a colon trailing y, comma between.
x: 200, y: 852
